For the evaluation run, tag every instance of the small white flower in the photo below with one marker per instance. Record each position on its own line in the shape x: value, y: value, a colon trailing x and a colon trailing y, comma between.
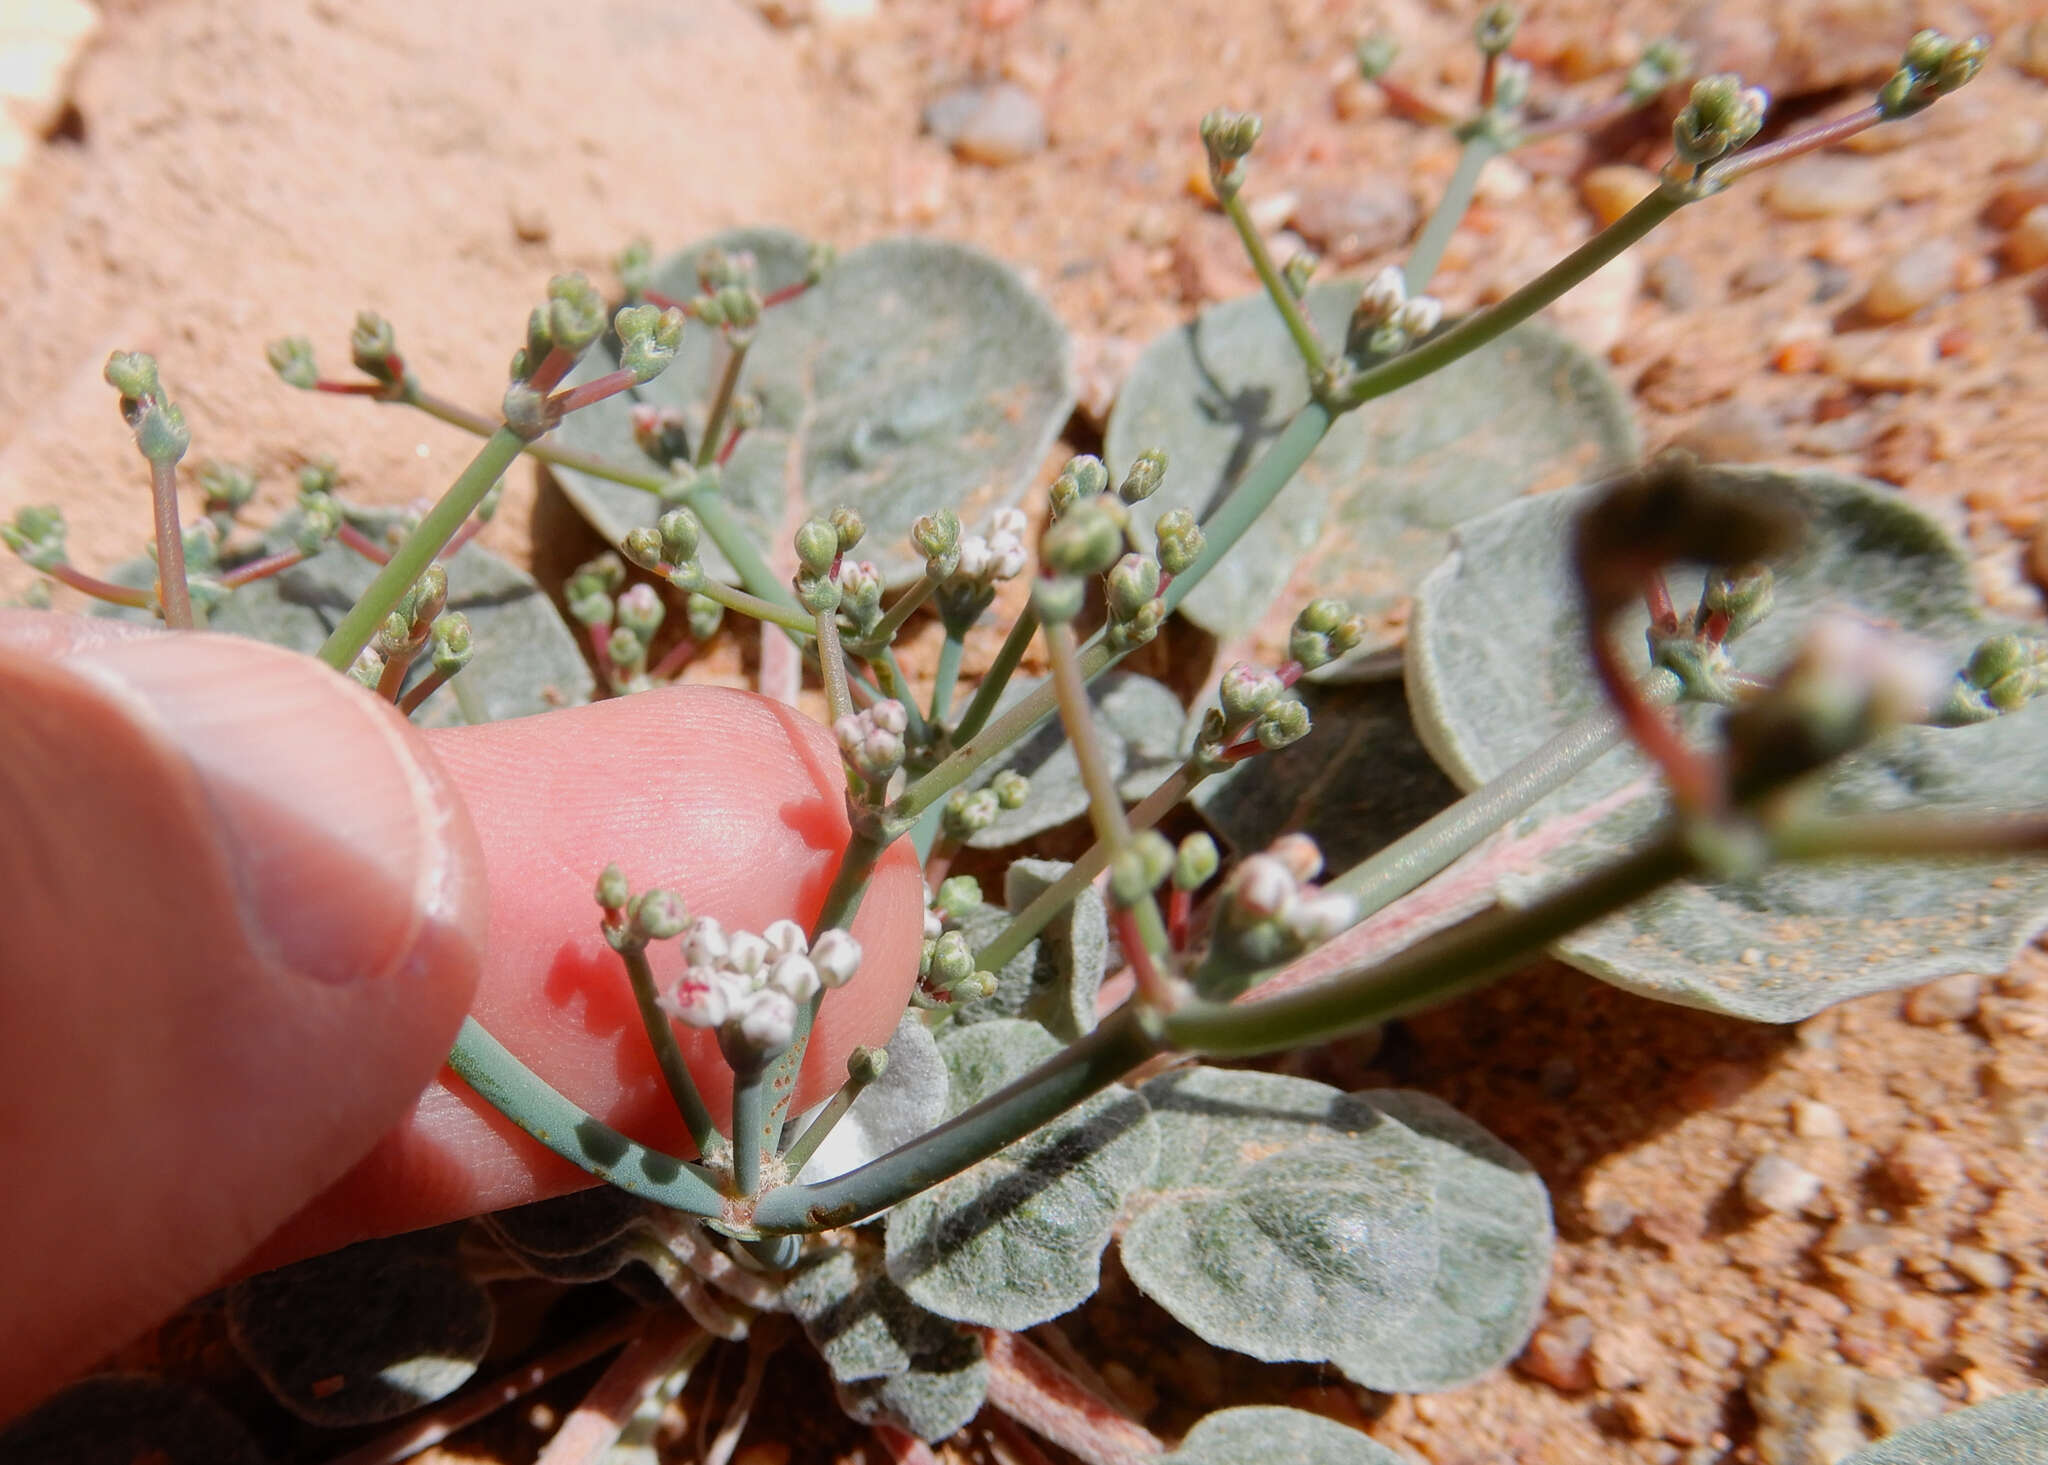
x: 1299, y: 854
x: 1418, y: 317
x: 786, y: 937
x: 705, y: 944
x: 837, y: 955
x: 1385, y: 293
x: 1320, y: 915
x: 768, y: 1021
x: 1263, y: 887
x: 1008, y: 521
x: 698, y: 999
x: 888, y: 716
x: 976, y: 558
x: 794, y: 977
x: 745, y: 954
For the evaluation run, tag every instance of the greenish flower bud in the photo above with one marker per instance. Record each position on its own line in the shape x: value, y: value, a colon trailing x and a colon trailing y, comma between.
x: 1246, y: 691
x: 133, y: 374
x: 640, y: 611
x: 937, y: 540
x: 1510, y: 88
x: 540, y: 339
x: 1179, y: 541
x: 1321, y: 616
x: 643, y: 547
x: 957, y: 897
x: 590, y: 607
x: 319, y: 476
x: 648, y: 339
x: 818, y: 594
x: 368, y: 667
x: 850, y: 528
x: 978, y: 987
x: 1140, y: 868
x: 680, y: 534
x: 1286, y: 721
x: 1299, y: 270
x: 1961, y: 65
x: 818, y: 263
x: 1058, y: 599
x: 658, y: 915
x: 1745, y: 596
x: 1147, y: 473
x: 2011, y: 693
x: 612, y: 890
x: 1086, y: 475
x: 372, y: 346
x: 1495, y: 29
x: 1195, y: 862
x: 865, y: 1065
x: 37, y: 535
x: 967, y: 812
x: 161, y: 434
x: 635, y: 268
x: 1011, y: 788
x: 291, y: 357
x: 227, y: 488
x: 428, y: 595
x: 1084, y: 541
x: 860, y: 587
x: 1138, y: 629
x: 817, y: 546
x: 1662, y: 63
x: 1996, y: 658
x: 952, y: 961
x: 526, y: 411
x: 1376, y: 54
x: 705, y: 615
x: 395, y: 636
x: 318, y: 522
x: 1926, y: 51
x: 624, y: 648
x: 739, y: 308
x: 575, y: 313
x: 1133, y: 585
x: 1721, y: 116
x: 1230, y: 136
x: 453, y: 643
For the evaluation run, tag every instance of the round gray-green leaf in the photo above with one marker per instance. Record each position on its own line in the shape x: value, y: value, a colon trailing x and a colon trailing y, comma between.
x: 1072, y: 952
x: 1494, y: 1239
x: 1369, y: 513
x: 1283, y: 1217
x: 1018, y: 1239
x: 1497, y: 664
x: 525, y: 659
x: 1137, y: 723
x: 917, y: 375
x: 364, y: 1334
x: 1266, y: 1432
x: 2012, y: 1430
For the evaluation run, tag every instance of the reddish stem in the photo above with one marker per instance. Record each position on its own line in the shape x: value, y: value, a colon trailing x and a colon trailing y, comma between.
x: 608, y: 385
x: 678, y: 657
x: 353, y: 389
x: 783, y: 296
x: 1827, y: 134
x: 1027, y: 1385
x: 363, y: 545
x: 1180, y: 910
x: 469, y: 530
x: 1487, y: 77
x: 662, y: 301
x: 100, y: 589
x: 1589, y: 119
x: 1289, y: 673
x: 1715, y: 626
x: 601, y: 651
x: 1657, y: 597
x: 553, y: 367
x: 1413, y: 105
x: 732, y: 441
x: 1153, y: 987
x: 262, y: 569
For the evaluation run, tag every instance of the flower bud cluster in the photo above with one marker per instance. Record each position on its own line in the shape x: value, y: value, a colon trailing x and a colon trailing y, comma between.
x: 661, y: 433
x: 2004, y: 673
x: 1228, y: 137
x: 750, y: 988
x: 1720, y: 117
x: 1135, y: 609
x: 1253, y: 703
x: 1932, y: 67
x: 1662, y: 63
x: 872, y: 743
x: 373, y: 347
x: 1387, y: 319
x: 1271, y: 910
x: 984, y: 561
x: 37, y: 535
x: 159, y: 425
x: 1324, y: 630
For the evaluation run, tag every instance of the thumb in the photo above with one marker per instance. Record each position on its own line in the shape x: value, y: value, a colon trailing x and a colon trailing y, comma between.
x: 243, y: 910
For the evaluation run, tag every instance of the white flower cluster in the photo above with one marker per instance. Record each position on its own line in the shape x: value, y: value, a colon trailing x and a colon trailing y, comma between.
x: 753, y: 986
x: 1274, y: 886
x: 872, y: 741
x: 998, y: 555
x: 1386, y: 302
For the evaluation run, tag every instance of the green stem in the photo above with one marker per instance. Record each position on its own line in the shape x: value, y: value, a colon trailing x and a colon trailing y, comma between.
x: 173, y: 593
x: 982, y: 705
x: 946, y: 678
x: 112, y: 594
x: 1056, y: 897
x: 1442, y: 966
x: 749, y: 1115
x: 1432, y: 846
x: 515, y: 1091
x: 410, y: 560
x: 798, y: 623
x: 721, y: 401
x: 832, y: 664
x: 1085, y: 1068
x: 1252, y: 495
x: 675, y: 1072
x: 1489, y: 325
x: 806, y: 1144
x: 737, y: 546
x: 905, y: 606
x: 1305, y: 339
x: 1450, y: 211
x: 1909, y: 836
x: 897, y: 685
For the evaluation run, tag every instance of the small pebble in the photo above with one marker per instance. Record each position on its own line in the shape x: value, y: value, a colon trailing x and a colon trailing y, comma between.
x: 1673, y: 281
x: 1985, y: 1269
x: 1823, y: 187
x: 1733, y: 432
x: 1760, y: 274
x: 1883, y: 361
x: 1346, y: 224
x: 1623, y: 1356
x: 1923, y: 1169
x: 2030, y: 53
x: 1560, y: 1353
x: 1896, y: 1404
x: 2026, y: 244
x: 1952, y: 999
x: 1910, y: 282
x: 1812, y: 1119
x: 994, y: 124
x: 1774, y: 1185
x: 1805, y: 1411
x: 1613, y: 190
x: 1902, y: 452
x: 1829, y: 280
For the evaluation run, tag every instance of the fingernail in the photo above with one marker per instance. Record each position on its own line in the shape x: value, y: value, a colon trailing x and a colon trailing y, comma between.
x: 335, y: 832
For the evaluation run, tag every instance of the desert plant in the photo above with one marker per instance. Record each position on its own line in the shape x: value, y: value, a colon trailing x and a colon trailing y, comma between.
x: 1042, y: 1096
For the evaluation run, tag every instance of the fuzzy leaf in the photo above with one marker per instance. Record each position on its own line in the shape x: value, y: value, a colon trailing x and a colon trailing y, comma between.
x: 585, y: 1236
x: 1021, y: 978
x: 2011, y: 1430
x: 1073, y: 950
x: 1138, y: 722
x: 1497, y: 664
x: 1494, y: 1242
x: 1359, y: 780
x: 363, y: 1334
x: 1265, y: 1432
x: 1369, y: 512
x: 1283, y: 1216
x: 917, y: 375
x: 122, y: 1418
x: 526, y: 660
x: 932, y: 1400
x: 1018, y: 1239
x: 908, y: 1099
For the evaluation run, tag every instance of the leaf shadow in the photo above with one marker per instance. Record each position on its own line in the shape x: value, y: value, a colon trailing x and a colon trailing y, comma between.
x: 1250, y: 409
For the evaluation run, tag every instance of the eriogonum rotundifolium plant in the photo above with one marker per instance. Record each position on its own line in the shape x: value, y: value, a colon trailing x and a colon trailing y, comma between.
x: 1679, y: 664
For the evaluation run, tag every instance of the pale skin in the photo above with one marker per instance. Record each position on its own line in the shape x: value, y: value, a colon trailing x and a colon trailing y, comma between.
x: 246, y: 906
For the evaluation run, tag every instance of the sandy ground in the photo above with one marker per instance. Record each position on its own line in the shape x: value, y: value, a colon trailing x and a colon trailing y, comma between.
x: 227, y: 172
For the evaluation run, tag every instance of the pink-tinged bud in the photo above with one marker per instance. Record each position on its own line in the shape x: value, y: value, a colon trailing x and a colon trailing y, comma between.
x: 768, y: 1022
x: 1262, y: 887
x: 1299, y: 854
x: 889, y: 717
x: 794, y: 977
x: 705, y: 944
x: 698, y: 999
x: 837, y: 957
